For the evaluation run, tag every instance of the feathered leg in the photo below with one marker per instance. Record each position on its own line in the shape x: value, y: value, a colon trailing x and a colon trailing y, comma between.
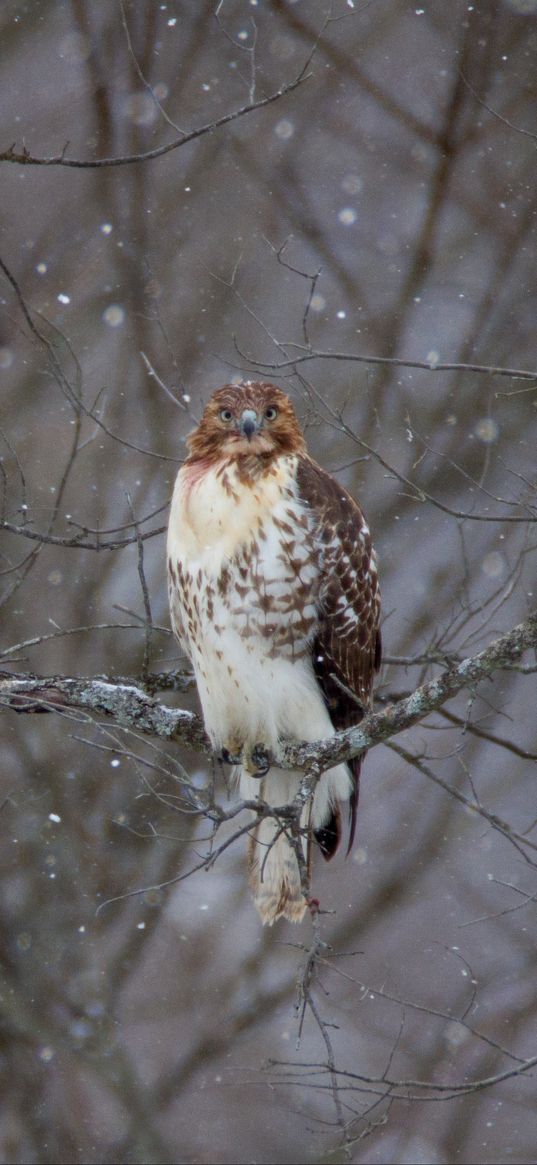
x: 275, y: 873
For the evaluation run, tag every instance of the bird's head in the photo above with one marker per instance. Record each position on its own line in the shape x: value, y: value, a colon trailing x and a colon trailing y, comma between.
x: 254, y: 419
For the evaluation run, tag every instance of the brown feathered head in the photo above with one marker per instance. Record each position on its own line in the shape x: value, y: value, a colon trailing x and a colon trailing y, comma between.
x: 250, y: 419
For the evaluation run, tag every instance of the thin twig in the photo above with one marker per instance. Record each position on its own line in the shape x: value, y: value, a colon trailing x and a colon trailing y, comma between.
x: 25, y: 158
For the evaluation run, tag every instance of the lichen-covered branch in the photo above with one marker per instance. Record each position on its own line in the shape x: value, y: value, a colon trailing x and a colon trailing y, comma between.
x: 429, y: 697
x: 128, y: 705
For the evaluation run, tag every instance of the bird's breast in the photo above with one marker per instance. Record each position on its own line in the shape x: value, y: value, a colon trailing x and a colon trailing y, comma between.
x: 215, y: 513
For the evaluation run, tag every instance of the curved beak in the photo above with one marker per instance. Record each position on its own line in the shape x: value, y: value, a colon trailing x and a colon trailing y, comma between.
x: 249, y: 424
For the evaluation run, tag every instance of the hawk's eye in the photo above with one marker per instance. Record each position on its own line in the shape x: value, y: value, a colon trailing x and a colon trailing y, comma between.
x: 271, y: 413
x: 226, y: 415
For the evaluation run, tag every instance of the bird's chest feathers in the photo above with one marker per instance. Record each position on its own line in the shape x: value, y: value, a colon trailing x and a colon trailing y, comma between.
x: 246, y: 561
x: 217, y: 513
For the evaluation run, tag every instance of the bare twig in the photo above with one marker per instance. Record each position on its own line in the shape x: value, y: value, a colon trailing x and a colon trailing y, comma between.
x: 25, y: 158
x: 305, y: 356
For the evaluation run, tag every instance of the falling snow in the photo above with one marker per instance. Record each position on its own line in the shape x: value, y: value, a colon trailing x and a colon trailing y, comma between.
x: 284, y: 129
x: 486, y: 430
x: 114, y: 315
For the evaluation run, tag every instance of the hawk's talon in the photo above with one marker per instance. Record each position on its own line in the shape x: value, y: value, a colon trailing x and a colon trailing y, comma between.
x: 261, y: 759
x: 230, y: 758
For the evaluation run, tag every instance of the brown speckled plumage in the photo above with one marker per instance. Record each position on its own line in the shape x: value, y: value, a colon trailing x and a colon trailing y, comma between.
x: 274, y: 596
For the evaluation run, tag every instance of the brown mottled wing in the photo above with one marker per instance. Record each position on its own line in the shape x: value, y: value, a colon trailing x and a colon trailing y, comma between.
x: 347, y: 648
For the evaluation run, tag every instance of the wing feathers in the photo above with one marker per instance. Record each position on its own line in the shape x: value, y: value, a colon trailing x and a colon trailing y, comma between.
x: 346, y: 651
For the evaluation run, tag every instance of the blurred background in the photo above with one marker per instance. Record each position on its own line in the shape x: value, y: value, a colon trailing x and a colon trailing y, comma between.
x: 385, y: 207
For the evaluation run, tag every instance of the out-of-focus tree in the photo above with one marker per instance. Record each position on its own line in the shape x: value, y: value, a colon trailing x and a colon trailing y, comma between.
x: 343, y: 201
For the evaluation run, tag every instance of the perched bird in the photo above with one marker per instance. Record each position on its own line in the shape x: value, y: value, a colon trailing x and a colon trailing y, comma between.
x: 274, y: 597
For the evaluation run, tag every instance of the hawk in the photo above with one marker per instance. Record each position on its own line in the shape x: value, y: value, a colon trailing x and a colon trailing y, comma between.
x: 274, y: 598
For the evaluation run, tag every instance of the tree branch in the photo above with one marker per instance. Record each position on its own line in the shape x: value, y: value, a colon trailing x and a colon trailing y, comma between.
x: 404, y: 1089
x: 25, y: 158
x: 306, y: 355
x: 379, y: 726
x: 128, y: 705
x: 79, y: 541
